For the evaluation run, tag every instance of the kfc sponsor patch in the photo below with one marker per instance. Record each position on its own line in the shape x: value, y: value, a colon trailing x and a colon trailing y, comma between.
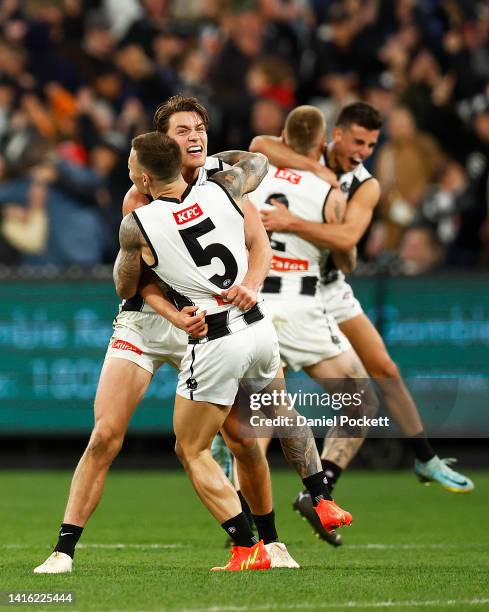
x: 188, y: 214
x: 288, y: 175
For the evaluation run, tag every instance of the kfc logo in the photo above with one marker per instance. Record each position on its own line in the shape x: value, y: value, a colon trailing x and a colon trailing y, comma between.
x: 288, y: 175
x: 188, y: 214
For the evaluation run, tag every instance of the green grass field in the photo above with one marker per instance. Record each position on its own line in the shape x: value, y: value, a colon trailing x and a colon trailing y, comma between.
x: 411, y: 547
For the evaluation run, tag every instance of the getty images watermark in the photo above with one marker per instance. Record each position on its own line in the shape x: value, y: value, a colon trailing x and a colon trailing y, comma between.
x: 351, y: 407
x: 335, y: 401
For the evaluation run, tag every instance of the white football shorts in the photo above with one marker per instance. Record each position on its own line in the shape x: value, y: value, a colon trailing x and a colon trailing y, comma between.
x: 147, y: 339
x: 306, y: 335
x: 213, y: 371
x: 339, y: 301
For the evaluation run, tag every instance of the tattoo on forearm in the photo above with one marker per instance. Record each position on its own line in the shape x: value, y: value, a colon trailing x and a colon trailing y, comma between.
x: 148, y: 277
x: 244, y: 176
x: 230, y: 157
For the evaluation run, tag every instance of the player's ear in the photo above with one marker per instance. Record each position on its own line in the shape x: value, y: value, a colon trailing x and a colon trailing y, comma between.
x: 145, y: 179
x: 282, y: 137
x: 337, y: 133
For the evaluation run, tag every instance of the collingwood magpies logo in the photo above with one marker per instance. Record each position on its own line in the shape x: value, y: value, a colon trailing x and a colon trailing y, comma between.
x: 191, y: 384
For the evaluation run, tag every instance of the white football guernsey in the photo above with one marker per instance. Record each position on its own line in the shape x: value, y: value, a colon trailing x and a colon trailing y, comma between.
x: 211, y: 166
x: 198, y: 244
x: 295, y: 268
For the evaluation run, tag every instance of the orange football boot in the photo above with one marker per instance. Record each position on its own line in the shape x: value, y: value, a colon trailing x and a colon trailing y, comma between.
x: 331, y: 515
x: 247, y: 558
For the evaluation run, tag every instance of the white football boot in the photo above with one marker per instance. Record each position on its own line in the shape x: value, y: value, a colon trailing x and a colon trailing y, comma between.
x: 280, y: 556
x: 56, y: 563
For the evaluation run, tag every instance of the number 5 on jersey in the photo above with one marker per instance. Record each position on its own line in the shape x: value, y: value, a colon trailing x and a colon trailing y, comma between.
x: 203, y: 256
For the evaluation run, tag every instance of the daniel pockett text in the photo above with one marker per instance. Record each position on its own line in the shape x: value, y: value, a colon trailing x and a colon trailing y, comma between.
x: 282, y: 413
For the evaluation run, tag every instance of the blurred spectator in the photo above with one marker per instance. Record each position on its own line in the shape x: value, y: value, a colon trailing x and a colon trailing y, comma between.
x: 267, y: 117
x: 407, y: 162
x: 271, y: 78
x: 76, y: 232
x: 80, y: 78
x: 420, y: 251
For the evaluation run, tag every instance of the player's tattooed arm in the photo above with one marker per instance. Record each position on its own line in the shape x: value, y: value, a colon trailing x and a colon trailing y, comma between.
x: 231, y: 157
x: 244, y: 176
x: 127, y: 267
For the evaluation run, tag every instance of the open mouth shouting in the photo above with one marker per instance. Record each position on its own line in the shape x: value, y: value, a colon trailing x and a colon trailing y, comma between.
x: 195, y: 151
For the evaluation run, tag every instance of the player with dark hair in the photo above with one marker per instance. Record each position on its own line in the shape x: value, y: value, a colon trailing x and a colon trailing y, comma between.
x: 143, y: 341
x: 354, y: 138
x: 240, y: 346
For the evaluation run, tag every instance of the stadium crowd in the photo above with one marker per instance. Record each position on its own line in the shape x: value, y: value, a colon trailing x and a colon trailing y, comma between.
x: 80, y: 78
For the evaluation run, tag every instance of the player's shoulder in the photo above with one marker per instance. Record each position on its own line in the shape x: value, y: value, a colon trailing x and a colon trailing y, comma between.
x: 366, y: 190
x: 132, y: 200
x: 361, y: 173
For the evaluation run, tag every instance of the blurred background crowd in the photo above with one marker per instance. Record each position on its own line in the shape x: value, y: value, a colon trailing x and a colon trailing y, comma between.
x: 80, y: 78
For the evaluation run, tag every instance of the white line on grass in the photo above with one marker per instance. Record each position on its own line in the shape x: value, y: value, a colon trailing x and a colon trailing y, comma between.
x: 347, y: 604
x: 346, y: 547
x: 410, y: 546
x: 107, y: 546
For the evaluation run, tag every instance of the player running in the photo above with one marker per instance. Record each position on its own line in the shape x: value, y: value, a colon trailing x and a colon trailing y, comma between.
x: 193, y: 237
x: 354, y: 139
x: 143, y: 341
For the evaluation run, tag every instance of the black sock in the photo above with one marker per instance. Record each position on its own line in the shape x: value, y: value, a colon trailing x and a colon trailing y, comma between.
x: 68, y: 538
x: 265, y: 523
x: 421, y: 447
x: 332, y: 471
x: 239, y: 529
x: 246, y: 509
x: 317, y: 485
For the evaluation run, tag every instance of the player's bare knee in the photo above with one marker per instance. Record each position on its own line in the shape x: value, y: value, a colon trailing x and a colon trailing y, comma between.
x: 187, y: 451
x: 179, y: 452
x: 246, y: 450
x: 105, y: 443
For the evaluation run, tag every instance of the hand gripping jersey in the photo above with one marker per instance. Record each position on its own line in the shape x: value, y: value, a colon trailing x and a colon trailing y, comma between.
x: 198, y: 244
x: 295, y: 268
x: 211, y: 166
